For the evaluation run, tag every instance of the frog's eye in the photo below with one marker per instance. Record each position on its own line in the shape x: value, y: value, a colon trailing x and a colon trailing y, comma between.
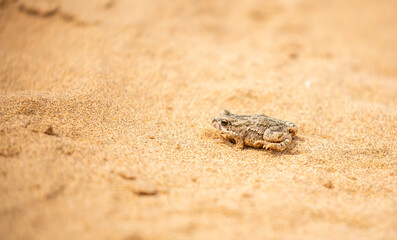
x: 224, y: 123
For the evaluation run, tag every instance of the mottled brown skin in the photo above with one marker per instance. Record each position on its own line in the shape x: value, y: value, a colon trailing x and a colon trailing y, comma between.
x: 258, y: 131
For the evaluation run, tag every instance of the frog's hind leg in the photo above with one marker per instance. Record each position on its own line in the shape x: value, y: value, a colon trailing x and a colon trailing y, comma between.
x: 260, y: 143
x: 281, y: 146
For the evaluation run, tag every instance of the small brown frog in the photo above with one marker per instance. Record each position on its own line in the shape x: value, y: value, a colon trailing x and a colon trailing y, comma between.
x: 258, y: 131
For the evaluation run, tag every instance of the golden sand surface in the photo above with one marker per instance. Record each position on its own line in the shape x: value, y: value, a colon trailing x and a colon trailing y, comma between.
x: 106, y: 105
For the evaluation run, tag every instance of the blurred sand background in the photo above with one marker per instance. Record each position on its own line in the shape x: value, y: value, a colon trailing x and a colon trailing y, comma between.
x: 105, y: 110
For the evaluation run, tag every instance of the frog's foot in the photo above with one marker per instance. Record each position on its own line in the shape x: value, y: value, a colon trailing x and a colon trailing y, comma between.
x: 260, y: 143
x: 281, y: 146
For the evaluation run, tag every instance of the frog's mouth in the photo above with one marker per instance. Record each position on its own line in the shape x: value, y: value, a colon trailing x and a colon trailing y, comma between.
x: 215, y: 123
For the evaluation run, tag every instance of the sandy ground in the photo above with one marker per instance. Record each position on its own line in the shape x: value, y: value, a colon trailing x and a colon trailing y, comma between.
x: 105, y: 110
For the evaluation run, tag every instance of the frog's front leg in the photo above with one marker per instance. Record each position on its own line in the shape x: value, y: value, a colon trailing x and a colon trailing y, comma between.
x: 234, y: 138
x: 239, y: 142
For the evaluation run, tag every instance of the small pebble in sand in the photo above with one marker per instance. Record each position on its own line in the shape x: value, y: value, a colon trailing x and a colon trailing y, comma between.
x: 124, y: 173
x: 143, y: 188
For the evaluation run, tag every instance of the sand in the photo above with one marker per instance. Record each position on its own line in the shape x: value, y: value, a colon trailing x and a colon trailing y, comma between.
x: 105, y: 111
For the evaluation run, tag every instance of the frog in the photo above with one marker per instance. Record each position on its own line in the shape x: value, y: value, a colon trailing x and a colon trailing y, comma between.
x: 257, y: 131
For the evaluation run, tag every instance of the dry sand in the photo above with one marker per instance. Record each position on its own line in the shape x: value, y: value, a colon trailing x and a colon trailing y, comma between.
x: 105, y: 112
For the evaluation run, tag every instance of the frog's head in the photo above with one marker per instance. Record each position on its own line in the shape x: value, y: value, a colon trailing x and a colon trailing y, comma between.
x: 223, y: 121
x: 279, y: 131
